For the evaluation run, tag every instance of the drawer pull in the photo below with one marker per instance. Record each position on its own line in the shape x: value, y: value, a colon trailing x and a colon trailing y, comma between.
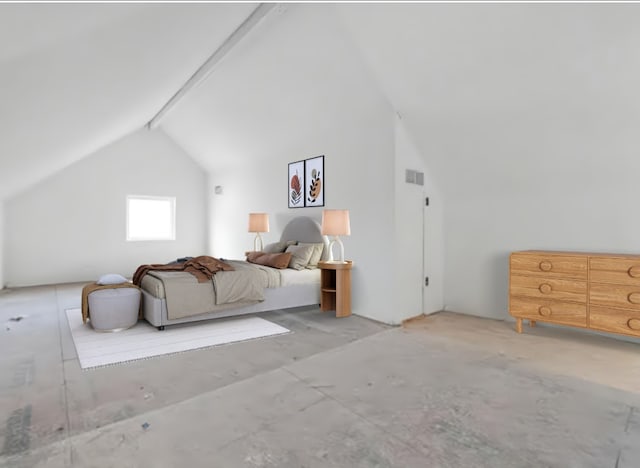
x: 545, y: 288
x: 633, y: 323
x: 546, y: 266
x: 634, y: 271
x: 544, y: 311
x: 634, y: 298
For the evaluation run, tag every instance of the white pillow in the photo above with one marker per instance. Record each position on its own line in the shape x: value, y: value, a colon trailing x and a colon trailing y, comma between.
x: 300, y: 255
x: 111, y: 278
x: 316, y: 255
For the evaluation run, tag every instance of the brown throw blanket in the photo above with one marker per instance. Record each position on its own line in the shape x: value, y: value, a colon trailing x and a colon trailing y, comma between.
x: 203, y: 268
x: 89, y: 288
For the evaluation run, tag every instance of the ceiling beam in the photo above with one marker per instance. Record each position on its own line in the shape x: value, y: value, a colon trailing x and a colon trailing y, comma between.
x: 207, y: 67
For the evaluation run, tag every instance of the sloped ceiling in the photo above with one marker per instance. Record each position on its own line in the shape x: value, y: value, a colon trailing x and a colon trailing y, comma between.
x: 501, y: 92
x: 509, y: 92
x: 293, y: 77
x: 476, y: 84
x: 76, y: 77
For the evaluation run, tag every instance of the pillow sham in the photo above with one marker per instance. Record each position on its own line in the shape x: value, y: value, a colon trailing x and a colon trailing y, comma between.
x: 300, y: 255
x: 253, y: 255
x: 278, y: 247
x: 111, y: 278
x: 316, y: 255
x: 274, y: 260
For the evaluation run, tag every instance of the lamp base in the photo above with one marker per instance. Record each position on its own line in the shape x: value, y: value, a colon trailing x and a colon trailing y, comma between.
x: 341, y: 251
x: 257, y: 243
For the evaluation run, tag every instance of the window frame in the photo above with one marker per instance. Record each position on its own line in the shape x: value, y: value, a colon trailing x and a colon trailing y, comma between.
x: 172, y: 205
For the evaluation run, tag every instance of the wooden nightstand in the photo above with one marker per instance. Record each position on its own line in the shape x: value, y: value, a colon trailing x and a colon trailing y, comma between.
x: 335, y: 287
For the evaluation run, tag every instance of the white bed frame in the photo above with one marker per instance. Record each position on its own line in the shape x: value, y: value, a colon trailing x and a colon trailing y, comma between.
x: 301, y: 229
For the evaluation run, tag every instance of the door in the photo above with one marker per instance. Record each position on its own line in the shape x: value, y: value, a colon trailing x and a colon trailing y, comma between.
x: 432, y: 254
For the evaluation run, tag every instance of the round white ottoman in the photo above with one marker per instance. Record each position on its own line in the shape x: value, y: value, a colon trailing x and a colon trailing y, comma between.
x: 114, y: 309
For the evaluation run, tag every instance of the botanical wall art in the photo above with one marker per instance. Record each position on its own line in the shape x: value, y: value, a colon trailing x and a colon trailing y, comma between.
x: 295, y: 185
x: 305, y: 185
x: 314, y: 176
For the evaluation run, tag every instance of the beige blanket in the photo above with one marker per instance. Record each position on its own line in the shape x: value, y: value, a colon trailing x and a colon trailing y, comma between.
x: 246, y: 283
x: 185, y: 296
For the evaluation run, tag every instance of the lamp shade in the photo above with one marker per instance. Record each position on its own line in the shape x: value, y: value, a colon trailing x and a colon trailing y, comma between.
x: 258, y: 222
x: 336, y: 223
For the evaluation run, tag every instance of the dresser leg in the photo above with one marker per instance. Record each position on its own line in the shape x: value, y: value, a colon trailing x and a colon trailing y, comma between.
x: 519, y: 325
x: 532, y: 323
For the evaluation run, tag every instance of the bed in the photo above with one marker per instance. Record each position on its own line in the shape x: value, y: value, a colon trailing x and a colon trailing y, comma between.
x: 287, y: 288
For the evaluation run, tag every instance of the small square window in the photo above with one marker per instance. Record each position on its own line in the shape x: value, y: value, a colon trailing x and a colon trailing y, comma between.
x: 151, y: 218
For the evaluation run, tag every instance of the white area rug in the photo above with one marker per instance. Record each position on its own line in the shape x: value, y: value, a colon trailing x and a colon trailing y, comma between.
x: 143, y: 341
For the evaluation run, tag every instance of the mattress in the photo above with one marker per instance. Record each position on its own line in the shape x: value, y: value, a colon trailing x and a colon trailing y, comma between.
x: 288, y: 277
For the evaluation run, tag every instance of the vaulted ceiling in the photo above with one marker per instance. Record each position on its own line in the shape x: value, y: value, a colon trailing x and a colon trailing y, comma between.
x: 498, y: 96
x: 76, y: 77
x: 473, y: 83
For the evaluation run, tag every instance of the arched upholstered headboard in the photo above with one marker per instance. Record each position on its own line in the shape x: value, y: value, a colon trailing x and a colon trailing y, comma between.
x: 305, y: 229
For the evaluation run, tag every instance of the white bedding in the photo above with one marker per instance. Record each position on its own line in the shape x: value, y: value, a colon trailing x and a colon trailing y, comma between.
x: 289, y: 277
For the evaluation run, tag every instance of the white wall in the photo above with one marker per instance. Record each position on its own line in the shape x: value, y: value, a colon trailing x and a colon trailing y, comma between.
x: 419, y: 246
x: 559, y: 171
x: 1, y: 244
x: 72, y: 226
x: 528, y: 114
x: 580, y: 213
x: 352, y: 182
x: 296, y: 89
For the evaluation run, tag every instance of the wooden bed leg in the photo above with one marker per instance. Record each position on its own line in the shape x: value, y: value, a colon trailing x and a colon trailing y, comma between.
x: 161, y: 327
x: 519, y: 325
x: 532, y: 323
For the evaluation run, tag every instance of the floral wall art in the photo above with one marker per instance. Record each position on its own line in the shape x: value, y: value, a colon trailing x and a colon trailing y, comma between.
x: 296, y: 184
x: 305, y: 185
x: 314, y: 176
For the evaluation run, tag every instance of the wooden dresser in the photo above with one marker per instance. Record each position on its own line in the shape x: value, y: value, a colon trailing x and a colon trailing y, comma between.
x: 588, y: 290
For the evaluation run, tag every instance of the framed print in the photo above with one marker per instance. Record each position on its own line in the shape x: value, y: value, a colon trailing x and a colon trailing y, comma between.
x: 314, y: 177
x: 295, y: 185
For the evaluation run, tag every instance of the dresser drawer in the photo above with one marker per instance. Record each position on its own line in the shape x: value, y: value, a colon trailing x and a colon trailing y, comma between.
x: 549, y: 266
x: 616, y: 321
x: 565, y: 313
x: 549, y: 288
x: 615, y: 270
x: 615, y: 295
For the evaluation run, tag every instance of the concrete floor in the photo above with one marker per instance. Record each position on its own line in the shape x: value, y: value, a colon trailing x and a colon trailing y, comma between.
x: 446, y: 391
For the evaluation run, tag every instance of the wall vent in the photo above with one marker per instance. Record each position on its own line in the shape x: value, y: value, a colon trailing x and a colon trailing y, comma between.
x: 414, y: 177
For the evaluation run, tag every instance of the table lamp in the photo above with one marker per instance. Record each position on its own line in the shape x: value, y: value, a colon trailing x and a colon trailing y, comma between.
x: 258, y: 222
x: 336, y: 223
